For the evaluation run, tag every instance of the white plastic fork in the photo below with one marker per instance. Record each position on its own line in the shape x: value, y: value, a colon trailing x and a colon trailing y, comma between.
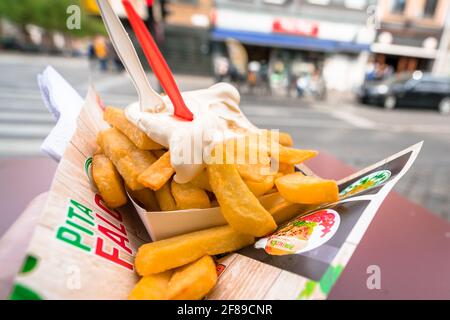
x: 149, y: 99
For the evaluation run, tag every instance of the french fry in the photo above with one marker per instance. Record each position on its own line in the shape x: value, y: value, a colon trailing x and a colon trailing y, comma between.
x: 298, y: 188
x: 285, y: 210
x: 114, y: 144
x: 250, y: 149
x: 251, y: 157
x: 116, y: 118
x: 188, y: 196
x: 108, y: 181
x: 254, y: 172
x: 159, y: 153
x: 98, y: 150
x: 260, y: 188
x: 146, y: 198
x: 202, y: 181
x: 284, y: 138
x: 159, y: 256
x: 273, y: 190
x: 193, y: 281
x: 165, y: 199
x: 292, y: 155
x: 128, y: 159
x: 152, y: 287
x: 278, y: 175
x: 156, y: 175
x: 239, y: 206
x: 286, y: 168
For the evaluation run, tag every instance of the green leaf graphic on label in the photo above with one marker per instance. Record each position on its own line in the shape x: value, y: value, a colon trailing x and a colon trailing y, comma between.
x: 301, y: 223
x: 87, y: 168
x: 330, y: 277
x: 21, y: 292
x: 371, y: 180
x: 308, y: 290
x: 29, y: 264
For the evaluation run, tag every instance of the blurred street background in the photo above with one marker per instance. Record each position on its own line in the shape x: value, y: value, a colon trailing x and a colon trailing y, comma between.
x: 358, y: 79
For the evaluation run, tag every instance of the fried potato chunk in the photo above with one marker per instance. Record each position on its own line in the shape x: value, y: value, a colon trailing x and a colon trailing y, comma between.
x: 114, y: 144
x: 116, y: 118
x: 286, y: 168
x: 239, y: 206
x: 132, y: 165
x: 251, y: 149
x: 165, y: 199
x: 193, y: 281
x: 152, y: 287
x: 159, y: 153
x: 260, y: 188
x: 202, y: 181
x: 188, y: 196
x: 286, y: 210
x: 108, y: 181
x: 146, y: 198
x: 98, y: 150
x: 254, y: 172
x: 174, y: 252
x: 128, y: 159
x: 282, y: 138
x: 285, y: 139
x: 292, y: 155
x: 299, y: 188
x: 156, y: 175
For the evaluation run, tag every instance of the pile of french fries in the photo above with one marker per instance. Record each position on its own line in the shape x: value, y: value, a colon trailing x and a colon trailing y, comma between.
x: 182, y: 267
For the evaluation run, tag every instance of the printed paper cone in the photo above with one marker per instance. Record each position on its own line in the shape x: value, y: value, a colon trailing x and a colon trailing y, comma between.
x: 83, y: 250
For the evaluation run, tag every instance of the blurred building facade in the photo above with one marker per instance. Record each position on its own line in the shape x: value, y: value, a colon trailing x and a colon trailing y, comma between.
x: 409, y: 33
x: 441, y: 64
x: 186, y: 35
x: 180, y: 27
x: 290, y: 46
x: 299, y: 38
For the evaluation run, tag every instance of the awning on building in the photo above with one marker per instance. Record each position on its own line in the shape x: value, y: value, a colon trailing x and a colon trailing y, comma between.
x: 407, y: 51
x: 288, y: 41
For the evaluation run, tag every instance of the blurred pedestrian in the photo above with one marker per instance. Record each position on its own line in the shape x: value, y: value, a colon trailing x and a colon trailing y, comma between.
x: 150, y: 21
x: 156, y: 14
x: 317, y: 85
x: 264, y: 77
x: 254, y: 68
x: 101, y: 52
x: 300, y: 85
x: 386, y: 72
x: 91, y: 55
x: 114, y: 57
x: 221, y: 68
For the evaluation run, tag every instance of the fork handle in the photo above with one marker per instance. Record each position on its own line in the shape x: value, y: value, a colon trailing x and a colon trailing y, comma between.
x: 148, y: 98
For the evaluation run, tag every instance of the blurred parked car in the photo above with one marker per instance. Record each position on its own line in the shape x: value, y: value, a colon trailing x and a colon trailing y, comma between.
x: 418, y: 89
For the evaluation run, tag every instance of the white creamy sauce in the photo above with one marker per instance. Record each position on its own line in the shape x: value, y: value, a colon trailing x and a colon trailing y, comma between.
x: 217, y: 117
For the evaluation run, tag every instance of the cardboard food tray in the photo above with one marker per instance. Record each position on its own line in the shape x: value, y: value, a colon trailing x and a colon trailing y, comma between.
x: 83, y: 250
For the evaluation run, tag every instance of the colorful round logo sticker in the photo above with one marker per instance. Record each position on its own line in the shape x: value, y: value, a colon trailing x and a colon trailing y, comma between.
x: 370, y: 181
x: 302, y: 234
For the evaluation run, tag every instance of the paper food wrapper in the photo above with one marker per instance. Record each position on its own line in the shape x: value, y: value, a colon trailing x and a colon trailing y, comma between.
x: 165, y: 224
x: 83, y: 250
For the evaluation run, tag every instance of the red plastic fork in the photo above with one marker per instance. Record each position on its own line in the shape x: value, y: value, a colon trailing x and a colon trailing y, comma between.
x: 157, y: 63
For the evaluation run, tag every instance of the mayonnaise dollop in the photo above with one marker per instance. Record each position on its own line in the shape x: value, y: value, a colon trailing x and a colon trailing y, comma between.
x: 217, y: 117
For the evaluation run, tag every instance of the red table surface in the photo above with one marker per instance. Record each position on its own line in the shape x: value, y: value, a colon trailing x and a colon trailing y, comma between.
x: 409, y: 244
